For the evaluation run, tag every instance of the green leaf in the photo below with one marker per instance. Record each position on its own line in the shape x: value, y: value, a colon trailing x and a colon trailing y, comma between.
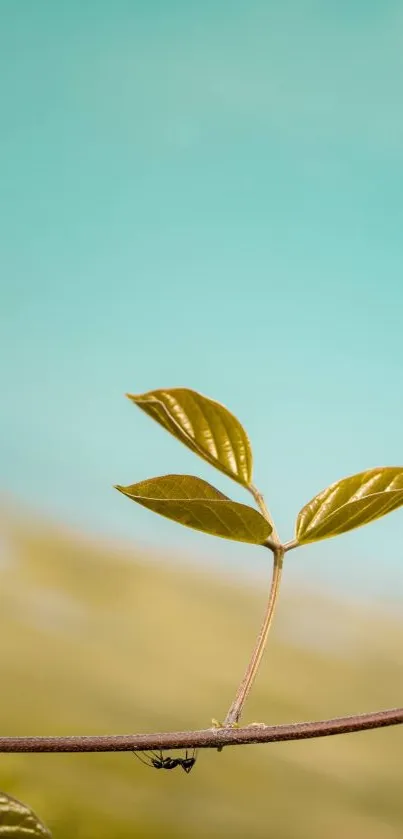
x: 195, y: 503
x: 17, y: 821
x: 350, y: 503
x: 203, y: 425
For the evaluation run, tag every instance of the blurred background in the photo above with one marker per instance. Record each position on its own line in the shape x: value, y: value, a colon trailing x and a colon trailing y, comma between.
x: 207, y: 196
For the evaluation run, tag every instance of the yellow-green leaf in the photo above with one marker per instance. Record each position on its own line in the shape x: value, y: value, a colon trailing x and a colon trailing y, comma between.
x: 350, y: 503
x: 205, y: 426
x: 17, y: 821
x: 195, y: 503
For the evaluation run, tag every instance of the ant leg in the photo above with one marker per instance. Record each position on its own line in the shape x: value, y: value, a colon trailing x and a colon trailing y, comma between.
x: 142, y: 759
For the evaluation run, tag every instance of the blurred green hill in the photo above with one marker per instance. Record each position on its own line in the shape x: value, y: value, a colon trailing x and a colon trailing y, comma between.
x: 97, y: 639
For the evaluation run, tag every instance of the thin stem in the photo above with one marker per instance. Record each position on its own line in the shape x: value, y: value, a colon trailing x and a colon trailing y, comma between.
x: 208, y: 738
x: 235, y: 710
x: 265, y: 512
x: 289, y: 546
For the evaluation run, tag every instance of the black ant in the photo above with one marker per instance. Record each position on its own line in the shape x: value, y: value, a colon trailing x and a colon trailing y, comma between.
x: 158, y: 761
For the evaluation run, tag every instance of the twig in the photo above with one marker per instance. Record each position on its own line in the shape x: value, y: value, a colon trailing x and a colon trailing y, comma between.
x: 243, y: 691
x: 210, y: 738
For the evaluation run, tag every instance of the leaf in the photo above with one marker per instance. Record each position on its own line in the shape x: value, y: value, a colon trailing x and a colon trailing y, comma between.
x: 351, y: 502
x: 17, y: 821
x: 205, y: 426
x: 195, y: 503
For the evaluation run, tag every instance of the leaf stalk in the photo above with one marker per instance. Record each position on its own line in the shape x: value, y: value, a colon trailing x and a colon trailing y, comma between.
x: 275, y: 539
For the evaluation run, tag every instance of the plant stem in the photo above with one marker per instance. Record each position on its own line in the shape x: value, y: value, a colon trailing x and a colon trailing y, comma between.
x: 235, y: 710
x: 289, y: 546
x: 265, y: 512
x: 208, y: 738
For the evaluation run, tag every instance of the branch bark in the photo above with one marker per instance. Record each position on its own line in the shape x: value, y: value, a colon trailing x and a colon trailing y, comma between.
x: 210, y: 738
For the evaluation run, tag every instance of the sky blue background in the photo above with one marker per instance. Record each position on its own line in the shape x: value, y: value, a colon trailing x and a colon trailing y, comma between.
x: 207, y: 195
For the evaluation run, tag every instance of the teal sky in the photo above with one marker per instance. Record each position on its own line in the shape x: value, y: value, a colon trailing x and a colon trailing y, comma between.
x: 206, y: 195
